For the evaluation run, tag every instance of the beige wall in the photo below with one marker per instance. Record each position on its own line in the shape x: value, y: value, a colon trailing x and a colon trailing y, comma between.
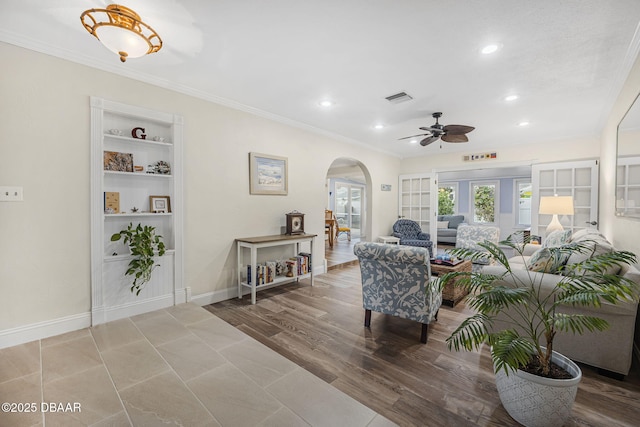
x: 44, y: 147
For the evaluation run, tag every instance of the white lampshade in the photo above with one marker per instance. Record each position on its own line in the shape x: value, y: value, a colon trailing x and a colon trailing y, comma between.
x: 118, y: 39
x: 556, y: 205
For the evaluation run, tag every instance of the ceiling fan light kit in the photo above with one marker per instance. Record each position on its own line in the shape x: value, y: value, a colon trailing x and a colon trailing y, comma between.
x: 122, y: 31
x: 448, y: 133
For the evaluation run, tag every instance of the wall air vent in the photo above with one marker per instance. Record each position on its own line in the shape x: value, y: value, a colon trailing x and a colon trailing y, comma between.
x: 399, y: 97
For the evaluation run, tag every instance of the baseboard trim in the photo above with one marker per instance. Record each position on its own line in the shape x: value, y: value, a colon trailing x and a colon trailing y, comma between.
x: 214, y: 297
x: 229, y: 293
x: 46, y: 329
x: 103, y: 315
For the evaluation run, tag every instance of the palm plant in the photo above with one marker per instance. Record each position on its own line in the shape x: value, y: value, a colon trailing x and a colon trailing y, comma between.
x: 532, y: 314
x: 143, y: 243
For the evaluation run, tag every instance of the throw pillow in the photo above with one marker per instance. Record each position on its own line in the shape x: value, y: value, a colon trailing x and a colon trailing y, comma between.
x: 597, y: 245
x: 557, y: 238
x: 545, y: 260
x: 443, y: 224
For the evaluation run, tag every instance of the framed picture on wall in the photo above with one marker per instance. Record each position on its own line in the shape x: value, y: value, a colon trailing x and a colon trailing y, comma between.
x: 267, y: 174
x: 159, y: 204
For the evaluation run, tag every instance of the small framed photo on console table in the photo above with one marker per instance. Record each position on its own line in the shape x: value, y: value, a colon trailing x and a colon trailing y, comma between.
x: 159, y: 204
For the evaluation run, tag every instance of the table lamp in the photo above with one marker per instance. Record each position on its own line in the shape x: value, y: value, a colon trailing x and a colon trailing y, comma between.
x: 556, y: 205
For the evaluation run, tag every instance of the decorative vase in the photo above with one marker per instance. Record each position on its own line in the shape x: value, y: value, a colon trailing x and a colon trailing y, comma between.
x: 536, y: 401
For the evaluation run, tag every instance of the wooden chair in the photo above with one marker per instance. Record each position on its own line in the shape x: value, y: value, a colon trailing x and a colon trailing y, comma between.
x: 342, y: 228
x: 329, y: 225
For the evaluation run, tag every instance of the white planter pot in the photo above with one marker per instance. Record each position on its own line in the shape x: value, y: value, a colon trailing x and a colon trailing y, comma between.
x: 536, y: 401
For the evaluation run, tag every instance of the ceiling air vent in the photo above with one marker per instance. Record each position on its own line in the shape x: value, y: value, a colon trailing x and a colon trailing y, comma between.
x: 399, y: 97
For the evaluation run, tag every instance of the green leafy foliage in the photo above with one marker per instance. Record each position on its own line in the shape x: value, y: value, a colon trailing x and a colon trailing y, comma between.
x: 445, y: 201
x: 532, y: 317
x: 484, y: 200
x: 144, y: 244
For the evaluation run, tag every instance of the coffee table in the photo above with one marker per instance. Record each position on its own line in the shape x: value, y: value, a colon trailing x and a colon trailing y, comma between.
x: 451, y: 295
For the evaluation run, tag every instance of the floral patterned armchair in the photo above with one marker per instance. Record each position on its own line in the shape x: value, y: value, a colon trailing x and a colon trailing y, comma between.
x: 396, y: 280
x: 470, y: 235
x: 411, y: 234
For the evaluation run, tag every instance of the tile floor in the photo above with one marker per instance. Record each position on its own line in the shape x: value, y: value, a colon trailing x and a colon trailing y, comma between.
x: 181, y: 366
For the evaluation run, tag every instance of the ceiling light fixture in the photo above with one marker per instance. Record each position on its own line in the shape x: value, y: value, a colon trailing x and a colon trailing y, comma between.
x: 379, y: 126
x: 524, y: 123
x: 122, y: 31
x: 489, y: 49
x: 326, y: 103
x: 510, y: 98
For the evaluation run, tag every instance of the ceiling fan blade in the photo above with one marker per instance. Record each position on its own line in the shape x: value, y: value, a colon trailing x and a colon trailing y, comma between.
x: 458, y: 129
x: 428, y: 140
x: 414, y: 136
x: 454, y: 138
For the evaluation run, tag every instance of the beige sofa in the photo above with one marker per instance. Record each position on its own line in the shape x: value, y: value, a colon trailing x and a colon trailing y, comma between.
x: 611, y: 349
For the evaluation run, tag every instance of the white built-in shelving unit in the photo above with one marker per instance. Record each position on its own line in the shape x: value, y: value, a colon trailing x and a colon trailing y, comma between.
x: 110, y: 288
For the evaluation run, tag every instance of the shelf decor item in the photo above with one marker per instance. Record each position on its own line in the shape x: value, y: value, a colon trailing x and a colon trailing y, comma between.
x: 144, y: 245
x: 112, y: 202
x: 159, y: 204
x: 267, y: 174
x: 118, y: 162
x: 161, y: 167
x: 295, y: 223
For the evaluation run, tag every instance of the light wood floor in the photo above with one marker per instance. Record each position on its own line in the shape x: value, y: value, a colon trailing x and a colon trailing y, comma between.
x: 386, y: 368
x: 341, y: 253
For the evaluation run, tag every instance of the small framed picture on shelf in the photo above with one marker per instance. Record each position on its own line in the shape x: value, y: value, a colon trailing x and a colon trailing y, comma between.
x: 159, y: 204
x: 118, y: 162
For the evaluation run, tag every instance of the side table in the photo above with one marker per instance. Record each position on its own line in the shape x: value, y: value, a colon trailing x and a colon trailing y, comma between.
x: 389, y: 239
x: 451, y: 295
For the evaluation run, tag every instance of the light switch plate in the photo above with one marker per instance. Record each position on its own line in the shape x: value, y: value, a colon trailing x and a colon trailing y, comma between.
x: 10, y: 194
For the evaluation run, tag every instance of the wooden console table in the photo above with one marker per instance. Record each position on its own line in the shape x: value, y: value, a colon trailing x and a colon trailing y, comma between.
x: 255, y: 243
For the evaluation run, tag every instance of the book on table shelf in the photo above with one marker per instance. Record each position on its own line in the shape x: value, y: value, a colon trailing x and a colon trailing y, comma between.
x: 268, y: 271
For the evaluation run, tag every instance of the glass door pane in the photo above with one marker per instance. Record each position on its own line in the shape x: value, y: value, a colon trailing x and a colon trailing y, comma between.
x: 348, y: 207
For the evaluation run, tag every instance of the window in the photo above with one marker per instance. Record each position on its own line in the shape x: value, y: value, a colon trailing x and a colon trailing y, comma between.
x: 447, y: 199
x: 484, y: 202
x: 522, y: 201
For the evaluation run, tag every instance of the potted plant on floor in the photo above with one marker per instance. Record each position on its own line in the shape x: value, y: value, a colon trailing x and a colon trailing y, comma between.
x: 144, y: 245
x: 525, y: 364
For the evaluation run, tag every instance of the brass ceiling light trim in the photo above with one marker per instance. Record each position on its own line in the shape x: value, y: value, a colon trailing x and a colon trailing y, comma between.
x: 122, y: 31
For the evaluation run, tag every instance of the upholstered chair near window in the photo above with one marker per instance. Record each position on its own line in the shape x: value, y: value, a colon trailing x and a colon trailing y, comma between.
x: 469, y: 236
x: 410, y: 234
x: 396, y: 280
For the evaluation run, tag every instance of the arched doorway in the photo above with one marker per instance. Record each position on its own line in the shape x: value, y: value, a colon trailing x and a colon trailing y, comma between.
x: 348, y: 192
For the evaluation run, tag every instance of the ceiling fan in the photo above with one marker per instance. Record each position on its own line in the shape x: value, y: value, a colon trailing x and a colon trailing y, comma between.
x: 448, y: 133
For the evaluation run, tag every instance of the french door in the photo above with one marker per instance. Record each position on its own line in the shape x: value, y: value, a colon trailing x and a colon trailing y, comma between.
x: 418, y: 201
x: 348, y: 207
x: 578, y: 179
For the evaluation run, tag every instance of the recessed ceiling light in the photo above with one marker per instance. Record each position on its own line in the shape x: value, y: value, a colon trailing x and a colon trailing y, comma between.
x: 378, y: 126
x: 523, y: 123
x: 510, y: 98
x: 326, y: 103
x: 490, y: 48
x: 414, y: 141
